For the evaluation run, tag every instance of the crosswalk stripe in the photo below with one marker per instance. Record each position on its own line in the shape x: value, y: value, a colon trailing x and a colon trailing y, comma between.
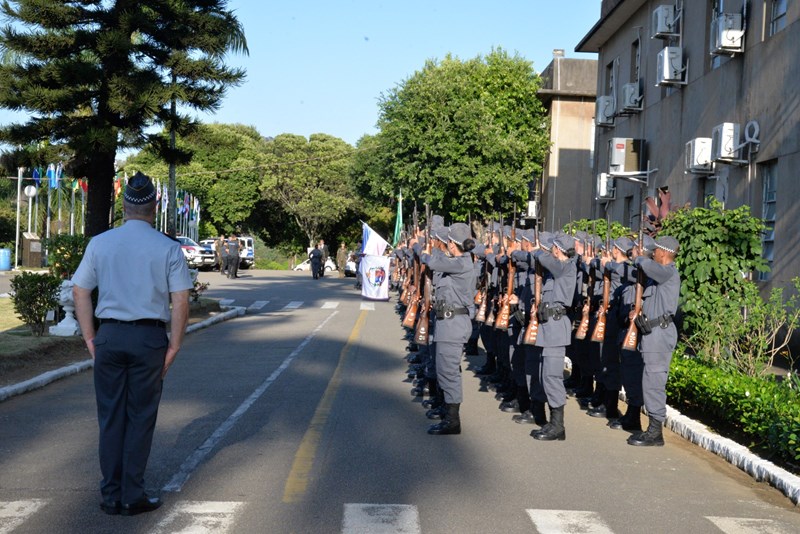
x: 368, y: 306
x: 746, y: 525
x: 330, y: 305
x: 380, y: 519
x: 225, y: 302
x: 14, y: 513
x: 257, y: 305
x: 293, y: 305
x: 572, y: 521
x: 199, y: 517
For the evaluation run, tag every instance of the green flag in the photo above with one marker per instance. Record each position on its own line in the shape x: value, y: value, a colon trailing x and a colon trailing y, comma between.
x: 398, y: 224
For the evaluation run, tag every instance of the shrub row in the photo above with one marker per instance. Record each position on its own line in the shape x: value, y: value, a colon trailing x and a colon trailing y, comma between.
x: 762, y: 408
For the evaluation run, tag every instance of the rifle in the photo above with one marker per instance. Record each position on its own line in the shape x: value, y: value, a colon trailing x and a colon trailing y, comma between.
x: 423, y: 322
x: 501, y: 322
x: 599, y: 333
x: 491, y: 316
x: 412, y: 294
x: 532, y: 330
x: 480, y: 315
x: 632, y: 335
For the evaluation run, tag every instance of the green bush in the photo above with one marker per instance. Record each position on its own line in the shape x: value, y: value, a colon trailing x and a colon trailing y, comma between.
x: 764, y: 409
x: 271, y: 258
x: 35, y: 295
x: 64, y: 254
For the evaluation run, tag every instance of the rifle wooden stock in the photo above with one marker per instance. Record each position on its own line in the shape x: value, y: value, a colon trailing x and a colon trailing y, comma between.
x: 599, y: 333
x: 532, y: 330
x: 480, y: 315
x: 411, y: 313
x: 583, y: 327
x: 632, y: 335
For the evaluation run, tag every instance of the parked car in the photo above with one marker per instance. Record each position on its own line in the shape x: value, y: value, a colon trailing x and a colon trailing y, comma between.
x: 306, y: 266
x: 246, y: 254
x: 197, y: 256
x: 350, y: 268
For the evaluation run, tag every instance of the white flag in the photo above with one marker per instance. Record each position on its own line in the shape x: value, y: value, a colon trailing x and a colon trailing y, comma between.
x: 374, y: 244
x: 374, y: 272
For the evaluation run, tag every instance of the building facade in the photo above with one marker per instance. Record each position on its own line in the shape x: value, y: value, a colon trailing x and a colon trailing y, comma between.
x: 699, y: 97
x: 568, y: 93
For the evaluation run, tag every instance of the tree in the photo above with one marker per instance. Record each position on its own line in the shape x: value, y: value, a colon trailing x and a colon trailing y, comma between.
x: 91, y: 75
x: 309, y: 179
x: 466, y: 136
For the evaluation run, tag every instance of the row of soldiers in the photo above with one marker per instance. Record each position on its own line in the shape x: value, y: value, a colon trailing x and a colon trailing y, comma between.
x: 533, y: 298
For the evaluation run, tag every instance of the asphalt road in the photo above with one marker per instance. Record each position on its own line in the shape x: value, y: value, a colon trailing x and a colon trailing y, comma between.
x: 296, y: 419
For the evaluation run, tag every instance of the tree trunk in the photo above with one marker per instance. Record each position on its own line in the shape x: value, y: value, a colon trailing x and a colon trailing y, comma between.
x: 100, y: 175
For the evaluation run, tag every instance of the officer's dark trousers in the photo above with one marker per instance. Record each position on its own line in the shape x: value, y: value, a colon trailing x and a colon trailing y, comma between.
x: 127, y: 377
x: 233, y: 267
x: 533, y: 360
x: 610, y: 357
x: 516, y: 353
x: 632, y: 370
x: 551, y: 375
x: 654, y: 383
x: 487, y: 337
x: 448, y: 359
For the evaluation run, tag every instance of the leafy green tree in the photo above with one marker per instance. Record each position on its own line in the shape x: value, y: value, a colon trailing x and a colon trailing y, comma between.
x: 309, y: 179
x: 90, y: 74
x: 466, y: 136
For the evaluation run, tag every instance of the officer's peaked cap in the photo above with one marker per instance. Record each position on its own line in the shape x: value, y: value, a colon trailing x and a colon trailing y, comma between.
x: 140, y: 190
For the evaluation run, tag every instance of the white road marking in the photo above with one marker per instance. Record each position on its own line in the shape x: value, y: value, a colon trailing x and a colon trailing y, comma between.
x: 330, y: 305
x: 194, y: 459
x: 199, y: 517
x: 746, y: 525
x: 572, y: 521
x: 380, y: 519
x: 257, y: 305
x: 370, y: 306
x: 225, y: 302
x: 14, y: 513
x: 293, y: 305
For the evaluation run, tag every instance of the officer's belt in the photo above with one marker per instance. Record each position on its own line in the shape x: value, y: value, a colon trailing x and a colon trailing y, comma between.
x: 137, y: 322
x: 446, y: 312
x: 646, y: 325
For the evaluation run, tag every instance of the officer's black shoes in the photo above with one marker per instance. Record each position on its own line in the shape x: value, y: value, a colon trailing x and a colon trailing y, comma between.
x: 143, y: 505
x: 414, y: 358
x: 420, y: 390
x: 510, y: 406
x: 583, y: 403
x: 451, y: 424
x: 612, y: 404
x: 631, y: 421
x: 652, y: 437
x: 524, y: 418
x: 539, y: 416
x: 554, y: 430
x: 111, y: 507
x: 436, y: 413
x: 600, y: 411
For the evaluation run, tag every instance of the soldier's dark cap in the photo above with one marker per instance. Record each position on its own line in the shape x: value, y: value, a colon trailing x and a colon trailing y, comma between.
x: 580, y: 234
x: 668, y: 243
x: 480, y: 250
x: 440, y: 233
x: 624, y: 244
x: 437, y: 221
x: 140, y: 190
x: 564, y: 243
x: 459, y: 232
x: 648, y: 243
x: 546, y: 240
x: 528, y: 235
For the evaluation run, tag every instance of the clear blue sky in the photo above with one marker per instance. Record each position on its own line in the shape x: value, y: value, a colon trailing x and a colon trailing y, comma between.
x: 321, y: 65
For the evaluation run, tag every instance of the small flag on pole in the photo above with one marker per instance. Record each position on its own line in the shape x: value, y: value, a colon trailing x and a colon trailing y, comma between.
x: 398, y: 223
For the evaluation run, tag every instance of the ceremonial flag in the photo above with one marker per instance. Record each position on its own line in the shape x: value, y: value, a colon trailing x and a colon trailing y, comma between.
x: 37, y: 176
x: 373, y: 243
x: 374, y: 272
x: 51, y: 175
x: 398, y: 223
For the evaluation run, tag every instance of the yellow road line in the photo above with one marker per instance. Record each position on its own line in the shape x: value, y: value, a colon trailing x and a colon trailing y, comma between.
x: 297, y: 481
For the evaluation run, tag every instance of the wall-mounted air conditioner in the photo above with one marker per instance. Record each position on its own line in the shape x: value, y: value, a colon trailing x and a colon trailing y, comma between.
x: 727, y: 34
x: 698, y: 155
x: 663, y: 22
x: 604, y: 115
x: 625, y: 155
x: 631, y: 100
x: 725, y: 142
x: 605, y: 187
x: 669, y: 65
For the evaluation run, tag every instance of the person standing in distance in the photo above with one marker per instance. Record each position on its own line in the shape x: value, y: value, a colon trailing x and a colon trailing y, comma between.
x: 325, y: 255
x: 131, y: 350
x: 316, y: 261
x: 341, y: 260
x: 233, y: 256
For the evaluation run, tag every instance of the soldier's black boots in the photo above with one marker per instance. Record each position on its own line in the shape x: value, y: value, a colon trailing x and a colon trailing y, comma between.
x: 451, y: 424
x: 539, y: 415
x: 631, y: 421
x: 652, y: 437
x: 609, y: 408
x: 554, y: 430
x: 472, y: 347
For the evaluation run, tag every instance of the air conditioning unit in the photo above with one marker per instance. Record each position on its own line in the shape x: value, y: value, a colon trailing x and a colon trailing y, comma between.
x: 631, y: 101
x: 669, y: 66
x: 664, y: 22
x: 604, y: 115
x: 605, y: 187
x: 533, y: 209
x: 698, y: 155
x: 625, y: 155
x: 727, y: 34
x: 725, y: 142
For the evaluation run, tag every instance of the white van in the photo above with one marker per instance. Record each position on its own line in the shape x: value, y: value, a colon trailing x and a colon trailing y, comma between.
x: 246, y: 252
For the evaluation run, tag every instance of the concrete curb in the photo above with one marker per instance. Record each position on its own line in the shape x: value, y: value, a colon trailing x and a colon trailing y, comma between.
x: 732, y: 452
x: 43, y: 379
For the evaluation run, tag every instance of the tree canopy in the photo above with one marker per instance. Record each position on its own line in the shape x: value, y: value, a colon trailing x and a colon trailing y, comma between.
x: 466, y: 136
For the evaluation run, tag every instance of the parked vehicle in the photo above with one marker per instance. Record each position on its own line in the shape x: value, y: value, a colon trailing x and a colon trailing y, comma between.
x: 306, y: 265
x: 350, y: 268
x: 246, y: 251
x: 196, y: 255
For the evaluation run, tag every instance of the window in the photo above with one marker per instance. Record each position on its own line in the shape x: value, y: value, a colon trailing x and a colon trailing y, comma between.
x: 777, y: 17
x: 770, y: 193
x: 635, y: 61
x: 610, y: 78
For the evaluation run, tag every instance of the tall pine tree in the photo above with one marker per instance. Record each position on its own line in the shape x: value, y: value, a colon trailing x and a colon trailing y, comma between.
x: 95, y: 74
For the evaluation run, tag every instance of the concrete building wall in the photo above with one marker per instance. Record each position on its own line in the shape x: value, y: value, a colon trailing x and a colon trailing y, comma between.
x: 759, y: 85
